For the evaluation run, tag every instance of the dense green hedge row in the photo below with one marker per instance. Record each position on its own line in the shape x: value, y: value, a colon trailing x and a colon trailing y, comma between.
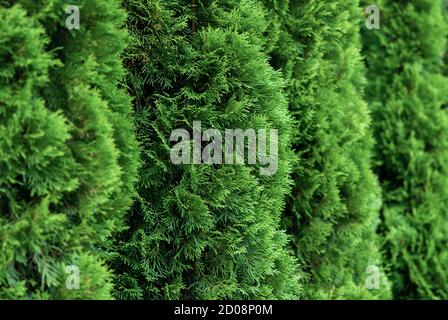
x: 408, y: 96
x: 356, y: 207
x: 332, y: 211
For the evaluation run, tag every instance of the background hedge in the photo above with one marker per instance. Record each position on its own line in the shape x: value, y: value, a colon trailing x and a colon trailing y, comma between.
x: 408, y: 97
x: 332, y: 212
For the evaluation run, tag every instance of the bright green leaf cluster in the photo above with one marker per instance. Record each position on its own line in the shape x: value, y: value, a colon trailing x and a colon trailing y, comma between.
x: 68, y: 155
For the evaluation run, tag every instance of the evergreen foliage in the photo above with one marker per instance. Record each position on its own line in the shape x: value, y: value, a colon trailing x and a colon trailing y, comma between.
x: 332, y: 212
x: 202, y: 231
x: 76, y: 151
x: 408, y: 97
x: 68, y: 154
x: 445, y: 14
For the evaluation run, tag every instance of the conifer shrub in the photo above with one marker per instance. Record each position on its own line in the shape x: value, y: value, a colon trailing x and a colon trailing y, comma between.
x: 445, y: 14
x: 68, y: 153
x: 408, y: 96
x: 332, y: 212
x: 204, y: 231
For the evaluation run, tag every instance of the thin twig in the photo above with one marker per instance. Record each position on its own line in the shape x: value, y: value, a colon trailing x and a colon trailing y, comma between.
x: 193, y: 25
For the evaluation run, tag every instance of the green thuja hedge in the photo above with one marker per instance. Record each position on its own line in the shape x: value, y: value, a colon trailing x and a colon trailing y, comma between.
x: 332, y: 212
x: 68, y: 155
x: 445, y: 14
x: 408, y: 97
x: 204, y: 231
